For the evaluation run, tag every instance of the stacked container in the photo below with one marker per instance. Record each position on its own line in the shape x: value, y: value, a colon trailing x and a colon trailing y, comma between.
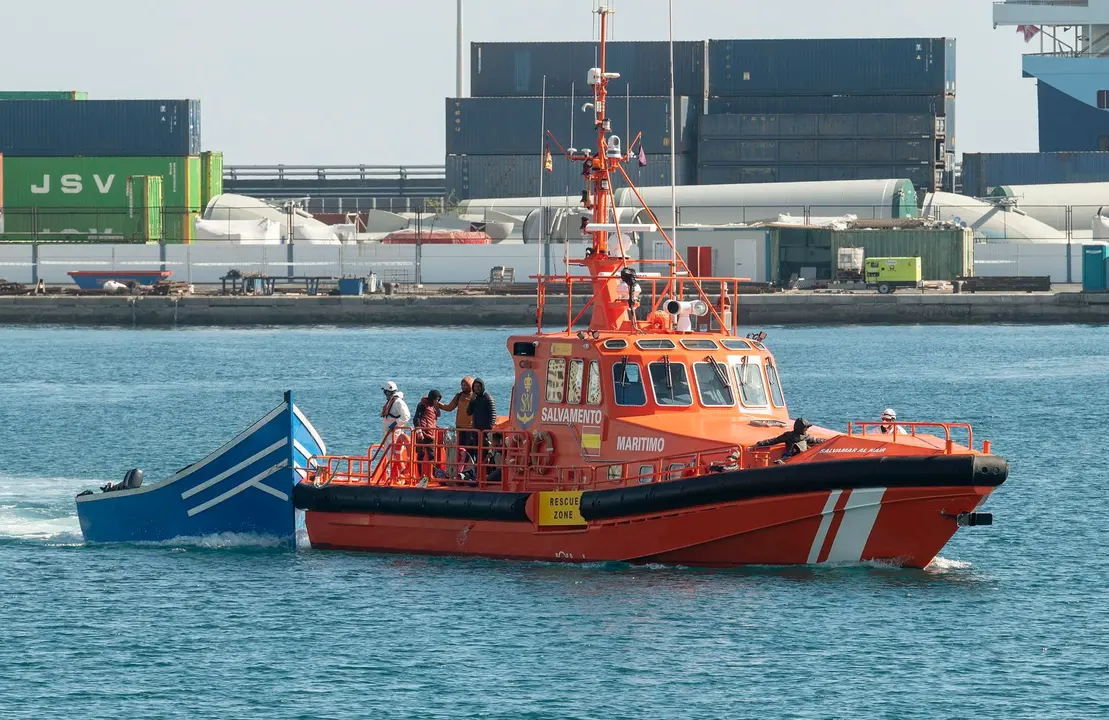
x: 810, y: 110
x: 495, y: 140
x: 100, y: 170
x: 211, y: 177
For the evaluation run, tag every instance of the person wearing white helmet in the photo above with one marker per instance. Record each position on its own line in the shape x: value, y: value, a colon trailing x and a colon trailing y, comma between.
x: 394, y: 414
x: 889, y: 421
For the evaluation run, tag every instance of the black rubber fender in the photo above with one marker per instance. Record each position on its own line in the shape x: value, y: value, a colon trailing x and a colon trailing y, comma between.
x: 418, y: 502
x: 805, y: 477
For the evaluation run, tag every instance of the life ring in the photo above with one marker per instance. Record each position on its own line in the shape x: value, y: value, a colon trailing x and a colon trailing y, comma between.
x: 660, y: 321
x: 516, y: 446
x: 542, y: 451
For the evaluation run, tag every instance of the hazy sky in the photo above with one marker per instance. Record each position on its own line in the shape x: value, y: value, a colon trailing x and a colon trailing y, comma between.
x: 363, y: 81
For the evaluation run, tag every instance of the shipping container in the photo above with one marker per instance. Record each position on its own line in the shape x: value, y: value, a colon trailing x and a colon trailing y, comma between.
x: 944, y: 254
x: 211, y: 177
x: 1, y: 193
x: 43, y: 95
x: 511, y: 176
x: 88, y: 195
x: 516, y: 69
x: 822, y: 104
x: 864, y: 66
x: 921, y: 176
x: 144, y: 207
x: 841, y: 125
x: 817, y: 152
x: 513, y: 126
x: 985, y: 171
x: 134, y: 128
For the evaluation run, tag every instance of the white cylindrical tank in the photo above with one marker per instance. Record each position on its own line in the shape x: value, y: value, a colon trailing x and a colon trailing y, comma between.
x: 764, y: 202
x: 989, y: 221
x: 1049, y: 203
x: 744, y: 203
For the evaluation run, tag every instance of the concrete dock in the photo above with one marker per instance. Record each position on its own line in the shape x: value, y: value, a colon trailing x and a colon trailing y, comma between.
x: 788, y: 308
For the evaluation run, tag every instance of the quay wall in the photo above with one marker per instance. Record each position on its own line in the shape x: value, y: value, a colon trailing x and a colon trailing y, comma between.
x: 445, y: 310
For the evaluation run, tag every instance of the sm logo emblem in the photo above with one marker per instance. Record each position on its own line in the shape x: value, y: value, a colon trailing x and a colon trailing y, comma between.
x: 525, y: 403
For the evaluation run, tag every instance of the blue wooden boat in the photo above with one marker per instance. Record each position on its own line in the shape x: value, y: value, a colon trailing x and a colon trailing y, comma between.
x: 243, y: 487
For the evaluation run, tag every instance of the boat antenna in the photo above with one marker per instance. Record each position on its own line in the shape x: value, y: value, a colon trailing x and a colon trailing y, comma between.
x: 673, y: 161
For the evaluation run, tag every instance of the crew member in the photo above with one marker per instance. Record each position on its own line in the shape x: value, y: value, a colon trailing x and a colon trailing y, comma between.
x: 889, y: 422
x: 796, y: 440
x: 394, y: 414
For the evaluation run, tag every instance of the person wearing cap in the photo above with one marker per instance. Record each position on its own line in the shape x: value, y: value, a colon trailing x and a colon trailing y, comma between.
x: 731, y: 463
x: 796, y: 440
x: 889, y: 423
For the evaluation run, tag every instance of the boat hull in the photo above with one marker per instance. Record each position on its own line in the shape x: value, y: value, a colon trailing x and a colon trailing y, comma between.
x: 244, y: 487
x: 723, y: 520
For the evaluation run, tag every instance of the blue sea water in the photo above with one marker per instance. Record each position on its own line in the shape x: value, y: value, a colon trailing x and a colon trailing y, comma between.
x: 1009, y: 622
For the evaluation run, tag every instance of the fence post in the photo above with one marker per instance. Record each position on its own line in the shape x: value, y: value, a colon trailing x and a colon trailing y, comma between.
x: 34, y: 263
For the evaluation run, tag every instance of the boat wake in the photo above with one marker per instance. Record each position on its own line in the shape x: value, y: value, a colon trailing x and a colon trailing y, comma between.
x: 940, y: 565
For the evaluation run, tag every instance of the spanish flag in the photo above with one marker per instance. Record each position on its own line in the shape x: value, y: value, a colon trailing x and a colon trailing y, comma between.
x: 548, y: 163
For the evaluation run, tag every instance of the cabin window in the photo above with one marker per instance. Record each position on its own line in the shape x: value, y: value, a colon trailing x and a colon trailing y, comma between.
x: 556, y: 379
x: 615, y: 472
x: 713, y: 385
x: 594, y: 396
x: 700, y: 344
x: 775, y: 385
x: 657, y: 344
x: 615, y: 344
x: 646, y: 474
x: 573, y: 387
x: 627, y: 384
x: 752, y: 389
x: 670, y: 383
x: 675, y: 471
x: 736, y: 344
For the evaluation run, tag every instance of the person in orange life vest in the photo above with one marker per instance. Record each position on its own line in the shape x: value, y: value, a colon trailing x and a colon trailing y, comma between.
x: 395, y: 417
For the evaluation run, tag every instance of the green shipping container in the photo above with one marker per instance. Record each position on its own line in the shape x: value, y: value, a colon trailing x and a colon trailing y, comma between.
x: 144, y: 207
x: 87, y: 196
x: 944, y: 254
x: 43, y: 95
x: 211, y: 170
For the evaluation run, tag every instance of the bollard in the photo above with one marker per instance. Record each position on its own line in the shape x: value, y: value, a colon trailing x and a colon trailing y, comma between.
x: 986, y: 447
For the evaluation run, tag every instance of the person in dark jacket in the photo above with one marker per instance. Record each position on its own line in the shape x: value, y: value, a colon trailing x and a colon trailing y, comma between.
x: 483, y: 410
x: 796, y: 440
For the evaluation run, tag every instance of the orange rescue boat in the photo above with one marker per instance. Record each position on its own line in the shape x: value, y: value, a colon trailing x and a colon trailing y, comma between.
x: 637, y: 440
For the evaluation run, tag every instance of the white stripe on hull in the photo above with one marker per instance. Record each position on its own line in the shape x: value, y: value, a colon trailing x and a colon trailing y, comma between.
x: 825, y: 523
x: 255, y: 481
x: 859, y: 515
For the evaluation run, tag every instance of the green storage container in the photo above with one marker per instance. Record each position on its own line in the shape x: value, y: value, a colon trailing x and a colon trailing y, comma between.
x: 211, y: 170
x: 944, y: 254
x: 87, y: 196
x: 144, y: 207
x: 43, y: 95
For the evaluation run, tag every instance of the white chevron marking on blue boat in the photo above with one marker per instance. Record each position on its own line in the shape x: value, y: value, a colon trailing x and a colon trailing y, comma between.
x: 302, y: 450
x: 238, y: 439
x: 234, y: 469
x: 255, y: 481
x: 311, y: 430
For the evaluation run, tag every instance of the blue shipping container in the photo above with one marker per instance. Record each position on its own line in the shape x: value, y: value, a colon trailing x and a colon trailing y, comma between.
x: 63, y: 128
x: 983, y: 171
x: 906, y: 66
x: 845, y: 125
x: 516, y: 69
x: 921, y: 176
x: 512, y: 126
x: 509, y: 176
x: 813, y: 104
